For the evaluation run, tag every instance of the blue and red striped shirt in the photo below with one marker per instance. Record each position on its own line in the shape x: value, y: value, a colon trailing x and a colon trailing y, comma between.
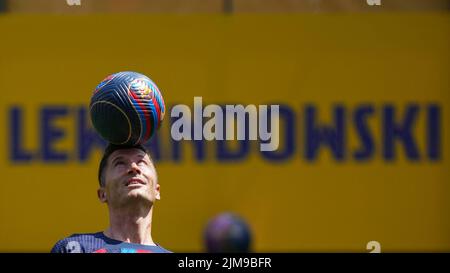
x: 99, y: 243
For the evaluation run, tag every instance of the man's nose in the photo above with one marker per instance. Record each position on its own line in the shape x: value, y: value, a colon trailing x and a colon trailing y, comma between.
x: 134, y: 168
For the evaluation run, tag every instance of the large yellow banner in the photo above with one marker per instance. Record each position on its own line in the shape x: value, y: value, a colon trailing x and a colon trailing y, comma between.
x: 364, y: 127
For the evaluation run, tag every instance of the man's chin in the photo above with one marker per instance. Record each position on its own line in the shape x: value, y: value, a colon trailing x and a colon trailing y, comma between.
x: 137, y: 194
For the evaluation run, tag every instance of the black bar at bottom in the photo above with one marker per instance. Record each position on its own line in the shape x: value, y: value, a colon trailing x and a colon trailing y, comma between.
x: 201, y: 262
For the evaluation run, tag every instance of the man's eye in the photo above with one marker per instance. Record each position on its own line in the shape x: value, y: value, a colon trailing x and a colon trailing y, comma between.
x: 142, y: 162
x: 118, y: 163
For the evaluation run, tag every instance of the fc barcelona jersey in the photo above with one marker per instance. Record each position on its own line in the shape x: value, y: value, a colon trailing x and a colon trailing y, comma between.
x: 99, y: 243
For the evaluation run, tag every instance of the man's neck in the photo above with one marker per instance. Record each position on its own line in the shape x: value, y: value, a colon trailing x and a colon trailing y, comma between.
x: 131, y: 225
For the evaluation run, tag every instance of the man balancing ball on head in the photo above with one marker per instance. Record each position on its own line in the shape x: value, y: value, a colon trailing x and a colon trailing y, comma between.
x: 126, y: 109
x: 129, y: 186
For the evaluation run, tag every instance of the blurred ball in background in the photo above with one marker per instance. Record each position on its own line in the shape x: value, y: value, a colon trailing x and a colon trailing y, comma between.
x: 228, y: 233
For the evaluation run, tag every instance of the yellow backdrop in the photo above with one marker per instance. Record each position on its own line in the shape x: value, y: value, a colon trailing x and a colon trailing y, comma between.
x: 383, y: 78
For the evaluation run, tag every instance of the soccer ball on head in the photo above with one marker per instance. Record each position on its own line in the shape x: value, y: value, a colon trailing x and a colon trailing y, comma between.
x: 127, y: 108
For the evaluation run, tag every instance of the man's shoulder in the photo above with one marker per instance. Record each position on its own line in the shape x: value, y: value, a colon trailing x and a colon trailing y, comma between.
x: 78, y: 243
x: 161, y: 249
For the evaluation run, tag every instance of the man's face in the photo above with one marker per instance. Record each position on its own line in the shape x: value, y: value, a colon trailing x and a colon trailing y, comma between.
x: 129, y: 177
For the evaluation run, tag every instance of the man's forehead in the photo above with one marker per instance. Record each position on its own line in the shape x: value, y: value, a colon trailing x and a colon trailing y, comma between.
x: 127, y: 153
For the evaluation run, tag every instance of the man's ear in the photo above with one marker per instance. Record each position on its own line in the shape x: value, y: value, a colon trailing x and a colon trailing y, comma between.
x: 101, y: 194
x: 157, y: 192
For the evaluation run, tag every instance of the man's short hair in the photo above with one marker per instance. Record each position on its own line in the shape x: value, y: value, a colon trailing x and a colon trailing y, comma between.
x: 111, y: 148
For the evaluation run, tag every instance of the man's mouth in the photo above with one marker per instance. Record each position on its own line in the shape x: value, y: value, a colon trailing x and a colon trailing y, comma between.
x: 134, y: 181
